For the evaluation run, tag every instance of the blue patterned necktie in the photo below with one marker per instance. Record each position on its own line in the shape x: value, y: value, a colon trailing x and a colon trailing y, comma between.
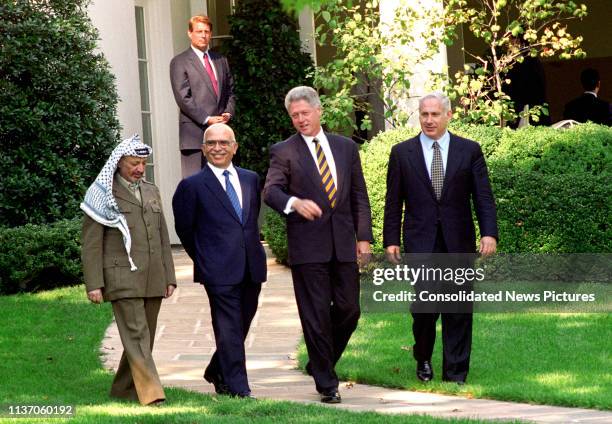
x: 231, y: 193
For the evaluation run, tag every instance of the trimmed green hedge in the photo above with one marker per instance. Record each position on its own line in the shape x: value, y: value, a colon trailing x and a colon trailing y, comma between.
x: 40, y: 257
x: 57, y: 110
x: 552, y: 187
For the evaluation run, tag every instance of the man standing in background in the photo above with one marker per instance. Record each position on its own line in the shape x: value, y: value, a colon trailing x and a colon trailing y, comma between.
x: 203, y: 88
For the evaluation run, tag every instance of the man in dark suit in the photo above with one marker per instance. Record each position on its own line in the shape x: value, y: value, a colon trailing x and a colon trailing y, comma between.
x: 203, y: 88
x: 434, y: 177
x: 315, y: 180
x: 215, y: 214
x: 589, y: 107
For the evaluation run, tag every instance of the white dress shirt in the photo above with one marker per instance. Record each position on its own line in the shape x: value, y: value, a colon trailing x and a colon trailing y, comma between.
x: 233, y: 178
x: 427, y: 146
x: 324, y: 142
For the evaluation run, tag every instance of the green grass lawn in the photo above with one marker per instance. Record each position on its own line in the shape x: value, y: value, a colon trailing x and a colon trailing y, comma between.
x: 49, y: 356
x: 555, y: 359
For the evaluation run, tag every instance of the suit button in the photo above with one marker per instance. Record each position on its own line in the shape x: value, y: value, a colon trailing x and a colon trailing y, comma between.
x: 116, y: 262
x: 150, y: 237
x: 152, y: 251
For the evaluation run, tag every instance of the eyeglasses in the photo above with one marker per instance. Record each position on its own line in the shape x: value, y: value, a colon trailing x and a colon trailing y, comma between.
x: 222, y: 143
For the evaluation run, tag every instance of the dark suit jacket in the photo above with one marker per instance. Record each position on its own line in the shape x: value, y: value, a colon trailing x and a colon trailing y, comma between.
x: 222, y: 248
x: 105, y: 261
x: 466, y: 181
x: 588, y: 108
x: 293, y: 172
x: 195, y: 96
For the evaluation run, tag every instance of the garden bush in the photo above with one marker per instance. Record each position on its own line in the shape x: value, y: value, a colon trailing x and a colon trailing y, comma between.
x: 40, y: 257
x: 274, y: 230
x: 57, y: 103
x: 266, y: 59
x: 552, y: 187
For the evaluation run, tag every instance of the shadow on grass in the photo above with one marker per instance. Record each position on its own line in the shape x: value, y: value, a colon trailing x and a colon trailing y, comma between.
x: 556, y: 359
x: 50, y: 356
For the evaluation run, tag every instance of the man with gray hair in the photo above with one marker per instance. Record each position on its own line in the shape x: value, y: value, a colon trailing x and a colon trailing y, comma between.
x: 315, y: 181
x: 434, y: 177
x: 127, y: 261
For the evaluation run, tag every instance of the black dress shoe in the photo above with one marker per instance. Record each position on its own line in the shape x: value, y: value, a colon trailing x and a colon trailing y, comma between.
x: 331, y: 396
x: 424, y: 372
x: 220, y: 387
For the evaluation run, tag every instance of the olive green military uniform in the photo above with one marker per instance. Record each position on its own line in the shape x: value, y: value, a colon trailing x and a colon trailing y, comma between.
x: 135, y: 295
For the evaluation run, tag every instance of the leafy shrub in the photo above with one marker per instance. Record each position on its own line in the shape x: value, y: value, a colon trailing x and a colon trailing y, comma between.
x: 266, y: 60
x: 40, y: 257
x: 274, y: 230
x: 552, y: 187
x: 57, y: 103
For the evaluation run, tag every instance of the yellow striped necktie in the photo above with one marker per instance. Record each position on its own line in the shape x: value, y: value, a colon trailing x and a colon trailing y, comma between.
x: 326, y: 177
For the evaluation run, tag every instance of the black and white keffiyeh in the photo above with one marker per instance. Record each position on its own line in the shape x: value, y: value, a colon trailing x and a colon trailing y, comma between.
x: 100, y: 204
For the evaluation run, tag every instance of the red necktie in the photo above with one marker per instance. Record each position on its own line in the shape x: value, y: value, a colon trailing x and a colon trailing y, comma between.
x: 211, y: 74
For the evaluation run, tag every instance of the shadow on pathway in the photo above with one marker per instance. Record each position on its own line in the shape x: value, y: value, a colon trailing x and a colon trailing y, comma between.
x: 185, y: 343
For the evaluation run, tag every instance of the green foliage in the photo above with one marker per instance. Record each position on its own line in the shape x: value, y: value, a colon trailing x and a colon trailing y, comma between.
x: 40, y: 257
x: 57, y: 109
x: 274, y: 230
x: 512, y: 30
x: 552, y: 187
x: 266, y: 62
x: 374, y: 61
x: 57, y: 102
x: 519, y: 357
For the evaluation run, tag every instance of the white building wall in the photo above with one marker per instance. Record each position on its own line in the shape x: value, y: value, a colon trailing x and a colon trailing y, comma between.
x: 114, y: 20
x: 165, y: 28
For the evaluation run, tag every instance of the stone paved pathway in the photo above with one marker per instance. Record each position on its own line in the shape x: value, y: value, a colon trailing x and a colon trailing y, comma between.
x: 185, y: 342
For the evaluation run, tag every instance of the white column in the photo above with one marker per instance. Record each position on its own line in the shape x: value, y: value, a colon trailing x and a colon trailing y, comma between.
x: 164, y: 112
x: 420, y: 83
x: 307, y: 29
x: 115, y: 22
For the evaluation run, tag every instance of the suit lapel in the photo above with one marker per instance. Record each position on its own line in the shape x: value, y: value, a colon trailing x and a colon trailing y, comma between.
x: 342, y: 168
x: 213, y: 184
x: 216, y: 63
x: 122, y: 193
x: 455, y: 157
x: 309, y: 167
x: 417, y: 159
x: 246, y: 193
x: 199, y: 66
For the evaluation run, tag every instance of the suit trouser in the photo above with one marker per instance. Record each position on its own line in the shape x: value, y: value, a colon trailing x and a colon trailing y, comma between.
x: 137, y: 377
x: 456, y: 334
x: 192, y: 161
x: 327, y: 296
x: 232, y: 309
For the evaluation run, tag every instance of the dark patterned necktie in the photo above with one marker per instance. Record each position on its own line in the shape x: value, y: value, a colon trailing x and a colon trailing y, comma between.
x: 211, y: 74
x: 231, y: 193
x: 437, y: 170
x: 326, y: 177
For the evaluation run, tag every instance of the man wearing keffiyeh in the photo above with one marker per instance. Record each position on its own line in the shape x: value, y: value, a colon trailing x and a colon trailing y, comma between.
x: 127, y: 261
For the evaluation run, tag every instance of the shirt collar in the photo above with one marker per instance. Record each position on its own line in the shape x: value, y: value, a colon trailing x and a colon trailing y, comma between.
x: 219, y: 171
x: 591, y: 92
x: 127, y: 184
x: 199, y: 52
x: 443, y: 141
x: 308, y: 138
